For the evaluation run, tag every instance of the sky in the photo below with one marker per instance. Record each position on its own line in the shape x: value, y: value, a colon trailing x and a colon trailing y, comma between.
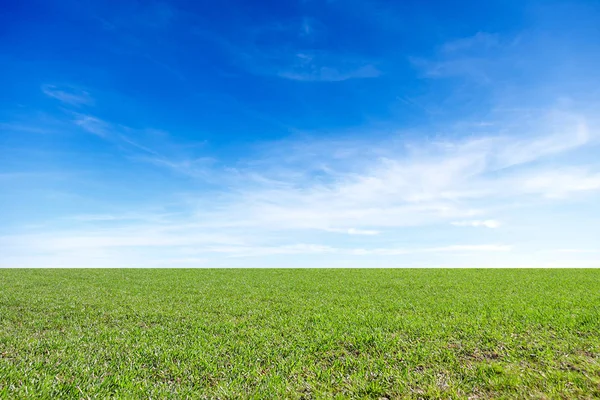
x: 301, y: 133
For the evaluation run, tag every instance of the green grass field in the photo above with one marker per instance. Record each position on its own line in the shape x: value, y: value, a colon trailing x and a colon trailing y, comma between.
x: 300, y: 334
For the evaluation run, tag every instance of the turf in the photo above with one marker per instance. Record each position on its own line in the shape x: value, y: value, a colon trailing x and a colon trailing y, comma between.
x: 372, y: 333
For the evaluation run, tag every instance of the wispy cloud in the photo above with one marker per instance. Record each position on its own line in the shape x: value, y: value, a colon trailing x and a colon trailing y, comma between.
x: 443, y: 249
x: 353, y: 231
x: 487, y: 223
x: 290, y: 50
x: 306, y: 64
x: 313, y: 66
x: 68, y: 94
x: 35, y: 127
x: 561, y: 182
x: 133, y: 16
x: 162, y: 156
x: 93, y: 125
x: 320, y: 249
x: 284, y: 201
x: 477, y: 58
x: 479, y: 41
x: 340, y: 187
x: 155, y: 14
x: 411, y: 185
x: 189, y: 242
x: 345, y: 191
x: 306, y: 28
x: 578, y: 251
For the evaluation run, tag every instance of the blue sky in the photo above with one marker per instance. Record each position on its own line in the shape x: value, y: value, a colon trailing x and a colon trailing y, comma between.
x: 307, y: 133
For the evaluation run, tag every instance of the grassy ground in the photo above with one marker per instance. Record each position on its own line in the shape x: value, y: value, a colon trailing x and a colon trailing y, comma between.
x: 300, y: 333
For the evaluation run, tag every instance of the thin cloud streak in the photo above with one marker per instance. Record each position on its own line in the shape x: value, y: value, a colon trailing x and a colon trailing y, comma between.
x: 488, y: 223
x: 68, y: 94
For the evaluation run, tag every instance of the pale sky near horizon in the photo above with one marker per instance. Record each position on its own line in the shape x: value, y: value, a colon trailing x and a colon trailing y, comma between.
x: 307, y: 133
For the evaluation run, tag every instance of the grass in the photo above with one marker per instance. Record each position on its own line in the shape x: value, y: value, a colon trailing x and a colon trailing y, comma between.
x: 300, y: 334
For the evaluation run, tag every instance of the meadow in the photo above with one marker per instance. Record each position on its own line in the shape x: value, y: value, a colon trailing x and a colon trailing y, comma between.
x: 300, y: 334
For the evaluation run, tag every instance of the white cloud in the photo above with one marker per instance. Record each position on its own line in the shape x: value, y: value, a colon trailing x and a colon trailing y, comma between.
x: 488, y: 223
x: 284, y: 200
x: 442, y: 249
x: 165, y: 155
x: 479, y: 58
x: 407, y: 186
x: 353, y: 231
x: 307, y: 68
x: 559, y: 183
x: 481, y: 40
x: 565, y: 132
x: 485, y: 247
x: 262, y: 52
x: 256, y: 251
x: 578, y: 251
x: 68, y: 94
x: 93, y: 125
x: 307, y: 27
x: 118, y: 237
x: 188, y: 242
x: 333, y: 187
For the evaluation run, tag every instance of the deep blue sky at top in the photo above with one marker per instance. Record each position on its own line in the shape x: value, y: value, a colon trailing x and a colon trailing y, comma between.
x: 207, y: 69
x: 212, y: 70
